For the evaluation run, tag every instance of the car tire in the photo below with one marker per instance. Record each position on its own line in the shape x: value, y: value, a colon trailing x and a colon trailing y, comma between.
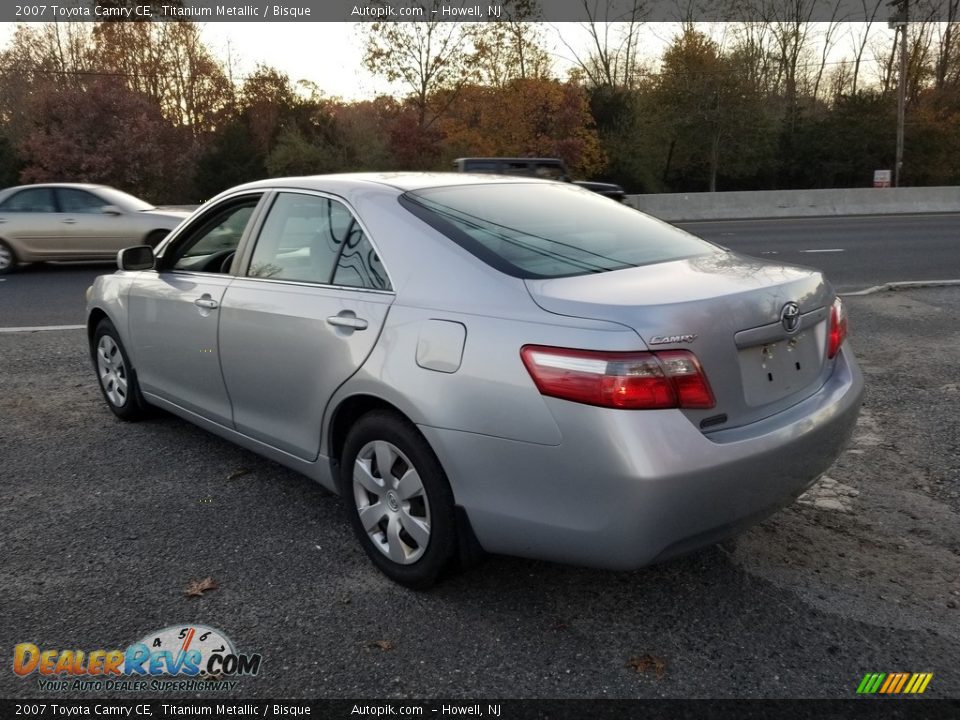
x: 404, y: 517
x: 115, y: 374
x: 8, y: 258
x: 156, y: 237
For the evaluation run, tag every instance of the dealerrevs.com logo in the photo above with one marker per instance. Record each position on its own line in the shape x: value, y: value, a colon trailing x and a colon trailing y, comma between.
x: 178, y: 658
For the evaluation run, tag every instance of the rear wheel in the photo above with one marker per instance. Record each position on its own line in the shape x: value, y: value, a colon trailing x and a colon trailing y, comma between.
x: 118, y: 382
x: 8, y: 260
x: 398, y: 499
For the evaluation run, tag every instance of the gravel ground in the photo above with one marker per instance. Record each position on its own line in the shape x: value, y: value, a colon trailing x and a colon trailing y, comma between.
x: 106, y: 523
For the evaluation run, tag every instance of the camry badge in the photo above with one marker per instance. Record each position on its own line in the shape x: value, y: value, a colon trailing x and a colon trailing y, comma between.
x: 790, y: 317
x: 670, y: 339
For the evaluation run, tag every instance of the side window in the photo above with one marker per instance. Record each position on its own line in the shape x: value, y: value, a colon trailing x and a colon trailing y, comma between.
x: 482, y: 166
x: 301, y: 239
x: 39, y: 200
x: 211, y: 245
x: 360, y: 266
x: 549, y: 172
x: 79, y: 201
x: 518, y: 167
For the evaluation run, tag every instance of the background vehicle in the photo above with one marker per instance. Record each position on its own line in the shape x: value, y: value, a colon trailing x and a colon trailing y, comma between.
x: 507, y: 363
x: 69, y: 221
x: 546, y: 168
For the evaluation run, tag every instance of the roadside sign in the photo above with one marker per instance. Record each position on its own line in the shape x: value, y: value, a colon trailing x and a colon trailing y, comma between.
x: 881, y: 178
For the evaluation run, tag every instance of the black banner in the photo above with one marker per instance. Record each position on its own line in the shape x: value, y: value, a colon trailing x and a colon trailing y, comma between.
x: 460, y: 11
x: 859, y: 709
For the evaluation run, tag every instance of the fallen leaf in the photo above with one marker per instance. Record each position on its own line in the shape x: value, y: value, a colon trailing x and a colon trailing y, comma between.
x: 197, y: 588
x: 378, y: 644
x: 238, y: 473
x: 646, y: 663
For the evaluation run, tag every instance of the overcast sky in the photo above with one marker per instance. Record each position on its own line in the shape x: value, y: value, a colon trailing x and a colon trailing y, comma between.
x: 329, y: 54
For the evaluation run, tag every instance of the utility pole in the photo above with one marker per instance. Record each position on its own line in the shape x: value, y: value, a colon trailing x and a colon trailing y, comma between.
x: 899, y: 21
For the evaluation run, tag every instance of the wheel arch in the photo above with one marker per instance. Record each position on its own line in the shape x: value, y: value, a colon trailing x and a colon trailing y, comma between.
x: 16, y: 257
x: 94, y: 318
x: 347, y: 412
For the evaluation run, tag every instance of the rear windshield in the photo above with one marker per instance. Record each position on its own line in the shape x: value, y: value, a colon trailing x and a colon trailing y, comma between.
x: 547, y: 230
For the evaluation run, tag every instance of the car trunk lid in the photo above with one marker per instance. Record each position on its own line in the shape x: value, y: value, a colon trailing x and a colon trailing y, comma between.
x: 729, y: 311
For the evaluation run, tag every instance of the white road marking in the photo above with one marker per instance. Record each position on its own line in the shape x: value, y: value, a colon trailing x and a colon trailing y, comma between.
x: 38, y: 328
x: 825, y: 250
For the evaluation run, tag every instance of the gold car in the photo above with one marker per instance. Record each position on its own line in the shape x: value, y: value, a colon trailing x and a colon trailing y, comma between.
x: 66, y: 221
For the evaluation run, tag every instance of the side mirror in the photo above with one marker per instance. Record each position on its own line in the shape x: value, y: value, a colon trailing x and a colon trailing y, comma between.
x: 135, y: 258
x: 111, y: 210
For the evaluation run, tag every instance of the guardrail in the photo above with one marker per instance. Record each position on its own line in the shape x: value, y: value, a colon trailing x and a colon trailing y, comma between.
x: 797, y: 203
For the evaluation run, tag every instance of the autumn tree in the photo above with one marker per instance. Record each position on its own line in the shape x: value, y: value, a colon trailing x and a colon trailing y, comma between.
x: 40, y: 58
x: 511, y: 47
x: 706, y: 103
x: 532, y: 117
x: 614, y: 28
x: 365, y: 129
x: 168, y: 62
x: 425, y: 56
x: 105, y: 133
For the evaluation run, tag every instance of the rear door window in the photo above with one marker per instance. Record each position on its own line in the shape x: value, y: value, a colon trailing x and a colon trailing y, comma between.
x: 37, y: 200
x: 309, y: 238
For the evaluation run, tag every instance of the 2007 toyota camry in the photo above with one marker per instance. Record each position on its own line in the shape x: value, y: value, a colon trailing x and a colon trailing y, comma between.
x: 472, y: 362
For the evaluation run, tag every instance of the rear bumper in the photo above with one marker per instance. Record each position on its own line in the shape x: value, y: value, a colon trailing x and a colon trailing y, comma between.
x: 625, y: 489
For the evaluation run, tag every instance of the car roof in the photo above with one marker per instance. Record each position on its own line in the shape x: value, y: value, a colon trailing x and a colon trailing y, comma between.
x: 401, y: 181
x: 79, y: 186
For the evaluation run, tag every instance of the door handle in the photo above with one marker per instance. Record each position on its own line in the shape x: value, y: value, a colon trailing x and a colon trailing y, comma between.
x: 70, y: 221
x: 207, y: 302
x: 348, y: 321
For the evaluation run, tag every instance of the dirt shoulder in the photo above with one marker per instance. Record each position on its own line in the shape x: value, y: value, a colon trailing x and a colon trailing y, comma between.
x: 878, y: 539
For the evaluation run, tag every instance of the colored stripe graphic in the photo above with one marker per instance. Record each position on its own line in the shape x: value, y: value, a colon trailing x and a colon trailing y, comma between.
x: 903, y: 679
x: 894, y: 683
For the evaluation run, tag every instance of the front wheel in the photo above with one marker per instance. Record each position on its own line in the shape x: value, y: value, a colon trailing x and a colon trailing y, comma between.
x: 118, y: 382
x: 8, y: 260
x: 398, y: 499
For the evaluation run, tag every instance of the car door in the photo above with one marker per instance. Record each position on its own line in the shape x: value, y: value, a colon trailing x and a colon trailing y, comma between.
x: 174, y: 311
x: 29, y: 219
x: 300, y: 319
x: 88, y: 230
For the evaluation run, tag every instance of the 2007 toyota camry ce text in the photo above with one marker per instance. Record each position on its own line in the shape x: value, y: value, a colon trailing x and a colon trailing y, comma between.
x: 509, y: 364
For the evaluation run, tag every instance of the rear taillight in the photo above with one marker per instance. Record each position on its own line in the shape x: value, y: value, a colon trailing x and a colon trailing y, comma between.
x: 627, y: 380
x: 838, y: 328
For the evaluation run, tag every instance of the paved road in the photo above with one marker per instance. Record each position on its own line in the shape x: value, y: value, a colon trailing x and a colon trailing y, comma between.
x: 875, y: 250
x: 105, y: 523
x: 855, y: 252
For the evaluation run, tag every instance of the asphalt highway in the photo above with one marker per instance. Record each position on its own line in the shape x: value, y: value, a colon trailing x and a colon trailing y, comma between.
x: 855, y: 252
x: 107, y: 524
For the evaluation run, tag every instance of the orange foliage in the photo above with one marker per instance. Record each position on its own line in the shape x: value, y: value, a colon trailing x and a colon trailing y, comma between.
x: 526, y: 118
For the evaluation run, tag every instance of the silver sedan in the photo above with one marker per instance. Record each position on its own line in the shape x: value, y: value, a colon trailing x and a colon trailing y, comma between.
x: 486, y: 364
x: 72, y: 221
